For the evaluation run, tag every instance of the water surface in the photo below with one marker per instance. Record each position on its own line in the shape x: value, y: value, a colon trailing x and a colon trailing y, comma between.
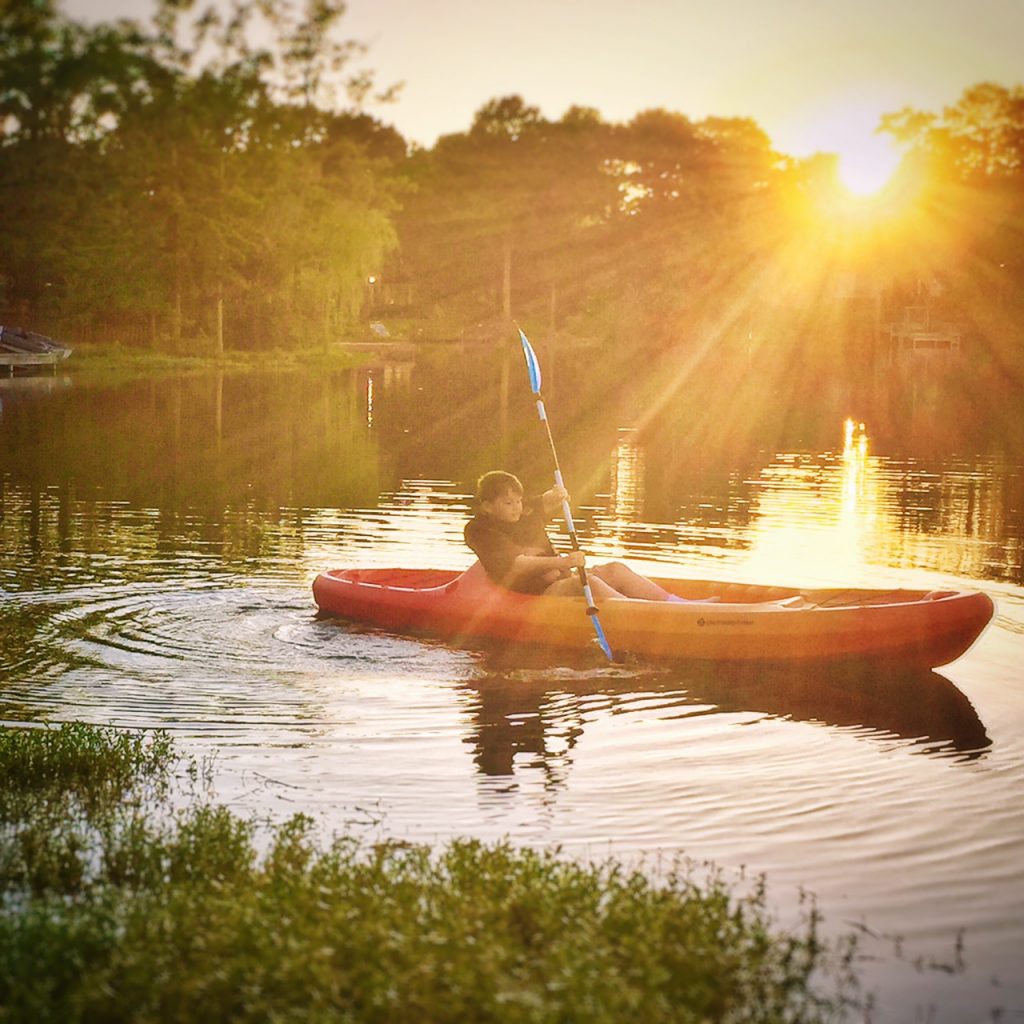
x: 158, y: 539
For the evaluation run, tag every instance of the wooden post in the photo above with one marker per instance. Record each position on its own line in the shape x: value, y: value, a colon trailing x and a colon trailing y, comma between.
x: 176, y: 247
x: 506, y: 277
x: 503, y: 392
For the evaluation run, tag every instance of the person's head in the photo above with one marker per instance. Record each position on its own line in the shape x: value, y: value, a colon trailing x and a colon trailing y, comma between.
x: 500, y: 495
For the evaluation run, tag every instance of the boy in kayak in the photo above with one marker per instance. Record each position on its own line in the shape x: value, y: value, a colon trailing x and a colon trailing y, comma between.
x: 507, y: 534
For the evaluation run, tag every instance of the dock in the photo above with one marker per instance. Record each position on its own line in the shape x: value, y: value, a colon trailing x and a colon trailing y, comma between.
x: 9, y: 361
x: 21, y: 349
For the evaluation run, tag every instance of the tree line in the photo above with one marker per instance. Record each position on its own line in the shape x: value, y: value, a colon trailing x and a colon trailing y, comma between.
x: 236, y: 194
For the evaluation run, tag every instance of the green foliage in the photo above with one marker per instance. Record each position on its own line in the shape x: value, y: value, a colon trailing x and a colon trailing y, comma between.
x: 548, y: 219
x: 77, y: 759
x: 57, y: 787
x: 137, y: 180
x: 474, y: 932
x: 501, y: 215
x: 125, y: 919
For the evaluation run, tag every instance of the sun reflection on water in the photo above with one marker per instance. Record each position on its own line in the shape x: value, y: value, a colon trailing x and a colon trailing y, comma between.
x: 815, y: 517
x: 846, y: 516
x: 812, y: 515
x: 626, y: 491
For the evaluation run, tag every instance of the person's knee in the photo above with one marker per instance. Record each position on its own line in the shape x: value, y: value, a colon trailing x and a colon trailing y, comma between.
x: 604, y: 588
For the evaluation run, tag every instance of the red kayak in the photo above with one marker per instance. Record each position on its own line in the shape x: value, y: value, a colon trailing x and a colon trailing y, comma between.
x: 714, y: 621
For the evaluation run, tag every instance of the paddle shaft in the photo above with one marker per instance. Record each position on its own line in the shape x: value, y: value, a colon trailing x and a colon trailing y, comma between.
x: 566, y: 511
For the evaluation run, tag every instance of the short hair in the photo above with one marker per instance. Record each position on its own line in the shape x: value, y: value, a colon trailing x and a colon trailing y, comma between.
x: 495, y: 484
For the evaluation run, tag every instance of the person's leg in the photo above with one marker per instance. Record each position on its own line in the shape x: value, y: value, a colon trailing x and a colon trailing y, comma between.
x: 570, y: 587
x: 627, y: 582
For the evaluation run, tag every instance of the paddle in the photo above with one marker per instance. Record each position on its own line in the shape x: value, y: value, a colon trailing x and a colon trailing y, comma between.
x: 533, y: 367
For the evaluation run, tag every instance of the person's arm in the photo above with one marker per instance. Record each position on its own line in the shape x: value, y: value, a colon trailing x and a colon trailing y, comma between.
x: 530, y: 566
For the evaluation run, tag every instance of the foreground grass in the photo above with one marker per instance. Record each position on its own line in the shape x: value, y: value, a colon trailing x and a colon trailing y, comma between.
x: 180, y: 918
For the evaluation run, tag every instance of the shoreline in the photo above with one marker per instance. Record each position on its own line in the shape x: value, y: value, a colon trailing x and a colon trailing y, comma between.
x: 116, y: 359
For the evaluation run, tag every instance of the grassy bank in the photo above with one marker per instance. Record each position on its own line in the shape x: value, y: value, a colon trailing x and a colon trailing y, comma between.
x: 179, y: 917
x: 114, y: 359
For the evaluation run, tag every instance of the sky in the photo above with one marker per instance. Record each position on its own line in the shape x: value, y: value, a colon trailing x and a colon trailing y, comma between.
x: 815, y: 74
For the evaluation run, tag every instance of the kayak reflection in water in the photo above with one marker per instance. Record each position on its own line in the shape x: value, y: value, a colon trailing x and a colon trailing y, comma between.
x: 507, y: 535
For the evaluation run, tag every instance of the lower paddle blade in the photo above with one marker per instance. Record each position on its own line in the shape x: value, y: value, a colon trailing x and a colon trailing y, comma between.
x: 601, y: 638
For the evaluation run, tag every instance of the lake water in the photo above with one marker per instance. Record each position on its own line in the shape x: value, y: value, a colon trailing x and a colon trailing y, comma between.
x: 158, y: 539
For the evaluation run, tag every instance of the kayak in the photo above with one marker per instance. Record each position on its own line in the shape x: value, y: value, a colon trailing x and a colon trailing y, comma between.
x: 712, y: 621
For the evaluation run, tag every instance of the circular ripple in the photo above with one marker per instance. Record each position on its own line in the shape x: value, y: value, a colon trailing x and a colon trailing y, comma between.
x: 171, y: 656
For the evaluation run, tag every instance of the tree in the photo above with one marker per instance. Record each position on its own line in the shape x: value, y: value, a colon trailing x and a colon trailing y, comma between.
x: 980, y: 137
x: 508, y: 118
x: 970, y: 212
x: 62, y: 88
x: 501, y: 213
x: 141, y: 170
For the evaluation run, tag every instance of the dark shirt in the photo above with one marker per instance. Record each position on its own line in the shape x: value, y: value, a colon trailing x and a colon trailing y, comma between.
x: 497, y: 544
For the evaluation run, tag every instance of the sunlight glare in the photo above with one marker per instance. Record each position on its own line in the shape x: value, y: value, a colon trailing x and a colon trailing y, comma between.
x: 866, y: 166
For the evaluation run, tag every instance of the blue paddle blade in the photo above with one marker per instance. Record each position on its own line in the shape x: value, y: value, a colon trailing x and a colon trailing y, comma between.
x: 601, y: 638
x: 592, y: 612
x: 532, y: 366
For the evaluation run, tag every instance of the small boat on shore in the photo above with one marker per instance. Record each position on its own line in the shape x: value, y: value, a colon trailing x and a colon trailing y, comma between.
x: 713, y: 621
x: 20, y: 348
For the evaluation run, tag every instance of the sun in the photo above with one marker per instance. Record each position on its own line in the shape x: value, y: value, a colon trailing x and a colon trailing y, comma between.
x: 867, y: 164
x: 844, y: 122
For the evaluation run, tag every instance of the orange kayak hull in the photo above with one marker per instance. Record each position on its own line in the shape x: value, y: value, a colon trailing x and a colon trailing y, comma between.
x: 716, y: 621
